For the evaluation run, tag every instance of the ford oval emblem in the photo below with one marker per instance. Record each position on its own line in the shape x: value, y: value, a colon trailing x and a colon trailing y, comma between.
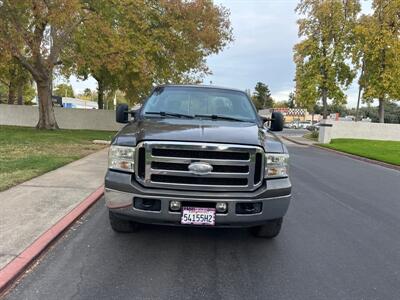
x: 200, y: 168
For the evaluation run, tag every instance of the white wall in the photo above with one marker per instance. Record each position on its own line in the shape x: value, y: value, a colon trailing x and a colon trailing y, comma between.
x: 67, y: 118
x: 359, y: 130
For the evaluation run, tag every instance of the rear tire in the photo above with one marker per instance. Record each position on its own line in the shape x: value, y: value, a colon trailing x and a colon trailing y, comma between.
x: 269, y: 230
x: 121, y: 225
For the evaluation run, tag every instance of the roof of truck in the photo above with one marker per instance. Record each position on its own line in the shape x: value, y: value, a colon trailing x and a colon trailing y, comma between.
x: 200, y: 86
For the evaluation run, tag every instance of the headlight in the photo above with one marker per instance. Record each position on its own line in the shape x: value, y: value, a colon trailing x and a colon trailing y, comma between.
x: 122, y: 158
x: 277, y: 165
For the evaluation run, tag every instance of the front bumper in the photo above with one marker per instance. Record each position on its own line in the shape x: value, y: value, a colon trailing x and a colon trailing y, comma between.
x: 120, y: 188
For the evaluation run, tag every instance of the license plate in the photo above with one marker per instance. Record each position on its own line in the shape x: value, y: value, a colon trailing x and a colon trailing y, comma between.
x: 198, y: 216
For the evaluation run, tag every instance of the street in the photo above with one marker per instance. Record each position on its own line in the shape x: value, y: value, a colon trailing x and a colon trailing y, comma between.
x: 340, y: 240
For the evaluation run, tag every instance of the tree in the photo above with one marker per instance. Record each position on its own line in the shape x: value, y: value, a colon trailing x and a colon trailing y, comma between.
x: 331, y: 109
x: 14, y: 76
x: 281, y: 104
x: 392, y: 112
x: 262, y: 96
x: 337, y: 108
x: 64, y: 90
x: 322, y: 68
x: 3, y: 91
x: 36, y: 33
x: 378, y: 53
x: 181, y: 34
x: 87, y: 93
x: 5, y: 72
x: 292, y: 100
x: 154, y: 42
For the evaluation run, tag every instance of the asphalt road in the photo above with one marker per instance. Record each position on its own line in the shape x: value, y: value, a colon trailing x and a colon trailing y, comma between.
x: 340, y: 240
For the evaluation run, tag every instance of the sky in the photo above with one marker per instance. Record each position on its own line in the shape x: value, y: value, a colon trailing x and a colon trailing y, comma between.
x: 265, y: 32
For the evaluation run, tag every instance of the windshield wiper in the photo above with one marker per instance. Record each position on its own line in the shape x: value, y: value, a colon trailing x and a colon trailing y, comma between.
x: 219, y: 117
x: 164, y: 113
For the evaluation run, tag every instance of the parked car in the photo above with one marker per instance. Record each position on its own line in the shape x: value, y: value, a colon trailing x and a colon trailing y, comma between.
x: 198, y: 156
x: 293, y: 125
x: 304, y: 125
x: 314, y: 127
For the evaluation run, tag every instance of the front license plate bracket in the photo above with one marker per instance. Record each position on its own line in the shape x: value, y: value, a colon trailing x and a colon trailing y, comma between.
x: 198, y: 216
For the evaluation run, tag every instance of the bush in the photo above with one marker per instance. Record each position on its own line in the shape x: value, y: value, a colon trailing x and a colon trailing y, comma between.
x: 314, y: 134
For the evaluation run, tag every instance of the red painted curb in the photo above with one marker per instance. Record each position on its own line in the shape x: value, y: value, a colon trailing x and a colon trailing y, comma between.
x: 23, y: 260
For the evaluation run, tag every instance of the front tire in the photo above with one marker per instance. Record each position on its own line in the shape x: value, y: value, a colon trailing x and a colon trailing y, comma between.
x: 269, y: 230
x: 121, y: 225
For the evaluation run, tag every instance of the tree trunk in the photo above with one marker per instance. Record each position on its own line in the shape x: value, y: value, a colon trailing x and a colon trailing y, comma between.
x: 359, y: 91
x: 47, y: 119
x: 325, y: 103
x: 358, y: 102
x: 11, y: 92
x: 381, y: 110
x: 20, y: 93
x: 100, y: 94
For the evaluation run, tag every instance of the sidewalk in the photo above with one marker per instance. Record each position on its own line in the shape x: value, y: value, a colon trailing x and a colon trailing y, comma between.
x: 300, y: 140
x: 31, y: 208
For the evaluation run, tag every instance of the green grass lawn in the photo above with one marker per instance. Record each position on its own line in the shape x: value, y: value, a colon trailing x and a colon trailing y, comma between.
x: 27, y: 152
x: 386, y: 151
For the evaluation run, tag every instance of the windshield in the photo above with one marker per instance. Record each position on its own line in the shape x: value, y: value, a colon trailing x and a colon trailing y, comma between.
x: 200, y: 102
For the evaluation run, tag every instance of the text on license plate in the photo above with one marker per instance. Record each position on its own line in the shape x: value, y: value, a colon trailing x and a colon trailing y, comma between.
x: 198, y: 216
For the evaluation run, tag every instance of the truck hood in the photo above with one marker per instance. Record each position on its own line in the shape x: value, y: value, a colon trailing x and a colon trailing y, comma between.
x: 197, y: 130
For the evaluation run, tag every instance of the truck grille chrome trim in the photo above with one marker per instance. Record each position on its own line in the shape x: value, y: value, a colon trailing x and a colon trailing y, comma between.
x: 166, y: 165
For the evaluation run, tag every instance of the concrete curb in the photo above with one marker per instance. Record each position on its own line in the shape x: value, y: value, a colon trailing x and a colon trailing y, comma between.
x: 16, y: 267
x: 364, y: 159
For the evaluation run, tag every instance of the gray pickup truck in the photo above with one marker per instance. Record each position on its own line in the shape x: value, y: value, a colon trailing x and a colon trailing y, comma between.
x: 197, y: 155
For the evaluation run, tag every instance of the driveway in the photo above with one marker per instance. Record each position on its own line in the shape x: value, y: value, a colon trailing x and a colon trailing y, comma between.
x: 340, y: 240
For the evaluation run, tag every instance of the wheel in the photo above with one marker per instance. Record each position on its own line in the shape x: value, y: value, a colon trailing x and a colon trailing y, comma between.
x: 269, y: 230
x: 121, y: 225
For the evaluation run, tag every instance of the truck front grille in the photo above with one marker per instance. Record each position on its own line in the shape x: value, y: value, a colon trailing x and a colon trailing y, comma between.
x: 166, y: 165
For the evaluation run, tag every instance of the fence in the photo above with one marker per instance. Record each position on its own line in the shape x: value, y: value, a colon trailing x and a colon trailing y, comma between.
x: 358, y: 130
x: 67, y: 118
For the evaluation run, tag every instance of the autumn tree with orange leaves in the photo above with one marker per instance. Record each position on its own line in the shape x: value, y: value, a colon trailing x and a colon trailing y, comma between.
x: 126, y: 44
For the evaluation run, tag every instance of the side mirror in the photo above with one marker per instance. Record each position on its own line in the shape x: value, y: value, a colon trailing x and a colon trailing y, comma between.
x: 121, y: 113
x: 276, y: 121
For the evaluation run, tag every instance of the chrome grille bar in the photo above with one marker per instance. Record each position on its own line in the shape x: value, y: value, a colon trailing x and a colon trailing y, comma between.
x: 184, y: 179
x: 182, y: 160
x: 189, y: 174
